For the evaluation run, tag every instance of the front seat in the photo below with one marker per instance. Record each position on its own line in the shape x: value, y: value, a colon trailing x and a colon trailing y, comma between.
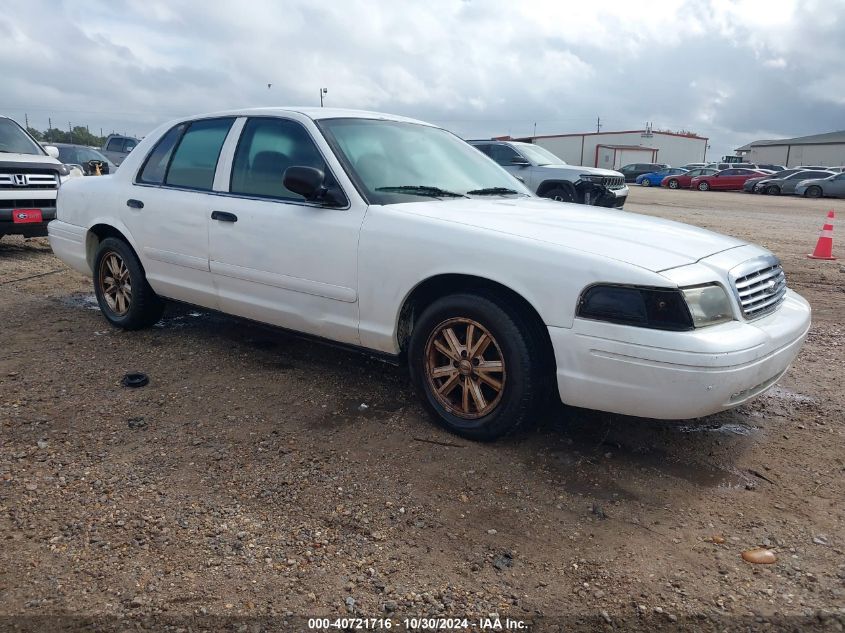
x: 267, y: 172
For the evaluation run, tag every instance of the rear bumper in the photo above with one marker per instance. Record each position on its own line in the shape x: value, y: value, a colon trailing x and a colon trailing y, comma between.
x: 8, y: 225
x: 689, y: 375
x: 68, y: 244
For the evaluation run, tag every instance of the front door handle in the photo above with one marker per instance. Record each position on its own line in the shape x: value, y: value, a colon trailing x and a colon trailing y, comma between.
x: 134, y: 204
x: 223, y: 216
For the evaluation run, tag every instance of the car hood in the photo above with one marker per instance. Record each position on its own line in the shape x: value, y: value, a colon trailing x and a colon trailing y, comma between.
x: 595, y: 171
x: 31, y: 159
x: 651, y: 243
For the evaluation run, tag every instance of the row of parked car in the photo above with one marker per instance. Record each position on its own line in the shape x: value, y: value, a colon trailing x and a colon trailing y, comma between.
x: 812, y: 181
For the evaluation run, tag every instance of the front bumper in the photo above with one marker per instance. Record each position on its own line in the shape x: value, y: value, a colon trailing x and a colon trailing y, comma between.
x: 8, y: 225
x: 611, y: 198
x: 677, y: 375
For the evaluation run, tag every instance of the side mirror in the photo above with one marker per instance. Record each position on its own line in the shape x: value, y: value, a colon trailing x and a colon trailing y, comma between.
x: 52, y: 151
x: 519, y: 160
x: 308, y: 182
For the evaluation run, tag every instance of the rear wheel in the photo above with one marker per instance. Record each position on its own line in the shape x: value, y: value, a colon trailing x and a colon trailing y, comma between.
x: 560, y: 193
x: 773, y: 190
x: 813, y: 191
x: 674, y: 184
x: 704, y: 186
x: 478, y: 365
x: 125, y: 297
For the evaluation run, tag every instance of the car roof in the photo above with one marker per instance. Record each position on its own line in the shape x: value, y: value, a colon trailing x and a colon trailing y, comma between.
x: 315, y: 114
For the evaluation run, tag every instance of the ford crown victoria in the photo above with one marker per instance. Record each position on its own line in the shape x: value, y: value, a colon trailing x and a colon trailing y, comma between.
x: 396, y: 236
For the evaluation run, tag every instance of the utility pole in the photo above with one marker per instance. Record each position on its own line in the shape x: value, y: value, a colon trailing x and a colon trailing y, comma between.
x: 535, y: 129
x: 598, y: 124
x: 49, y: 127
x: 70, y: 131
x: 26, y: 119
x: 322, y: 92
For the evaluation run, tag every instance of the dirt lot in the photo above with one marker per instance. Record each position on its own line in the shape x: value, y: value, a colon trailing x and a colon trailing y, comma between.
x: 249, y: 480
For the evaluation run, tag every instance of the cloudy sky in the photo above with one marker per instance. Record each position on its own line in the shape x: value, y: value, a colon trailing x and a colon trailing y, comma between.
x: 732, y: 71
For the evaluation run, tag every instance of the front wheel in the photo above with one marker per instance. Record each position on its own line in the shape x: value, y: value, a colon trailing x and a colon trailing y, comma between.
x: 704, y: 186
x: 773, y: 190
x: 674, y: 184
x: 561, y: 194
x: 478, y: 365
x: 645, y: 182
x: 813, y: 192
x: 125, y: 297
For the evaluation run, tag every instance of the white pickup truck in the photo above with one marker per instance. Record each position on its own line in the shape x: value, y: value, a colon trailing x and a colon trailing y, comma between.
x: 30, y: 176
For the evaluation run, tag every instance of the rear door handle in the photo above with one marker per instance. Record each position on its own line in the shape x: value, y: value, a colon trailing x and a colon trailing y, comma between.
x: 134, y: 204
x: 223, y: 216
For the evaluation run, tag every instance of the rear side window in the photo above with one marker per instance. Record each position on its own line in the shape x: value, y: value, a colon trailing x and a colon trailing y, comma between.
x: 195, y: 159
x: 156, y: 165
x: 266, y: 149
x: 503, y: 154
x: 115, y: 145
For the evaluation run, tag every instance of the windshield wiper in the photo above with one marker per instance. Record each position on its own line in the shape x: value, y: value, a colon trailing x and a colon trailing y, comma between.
x: 422, y: 190
x: 492, y: 191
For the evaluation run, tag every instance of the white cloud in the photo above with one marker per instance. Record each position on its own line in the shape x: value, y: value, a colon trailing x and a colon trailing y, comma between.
x: 727, y: 69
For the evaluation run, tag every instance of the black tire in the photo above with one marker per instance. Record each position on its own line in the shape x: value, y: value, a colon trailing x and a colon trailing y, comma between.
x: 524, y: 356
x: 560, y: 193
x: 674, y: 184
x: 645, y: 182
x: 773, y: 190
x: 813, y: 191
x: 704, y: 186
x: 143, y: 307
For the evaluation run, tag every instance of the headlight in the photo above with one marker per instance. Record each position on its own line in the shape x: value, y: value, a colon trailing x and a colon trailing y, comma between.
x: 593, y: 178
x: 657, y: 308
x: 708, y: 304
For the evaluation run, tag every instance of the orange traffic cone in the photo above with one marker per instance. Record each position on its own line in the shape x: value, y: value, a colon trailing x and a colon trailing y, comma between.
x: 824, y: 247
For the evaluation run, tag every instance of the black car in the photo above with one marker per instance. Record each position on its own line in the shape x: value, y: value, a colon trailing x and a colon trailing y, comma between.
x: 86, y: 158
x: 638, y: 169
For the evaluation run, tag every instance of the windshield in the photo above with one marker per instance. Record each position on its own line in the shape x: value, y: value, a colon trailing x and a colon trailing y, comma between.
x: 77, y: 155
x: 15, y: 141
x: 538, y: 155
x: 393, y: 162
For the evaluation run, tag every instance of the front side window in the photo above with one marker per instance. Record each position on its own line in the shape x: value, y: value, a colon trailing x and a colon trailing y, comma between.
x: 14, y: 140
x: 155, y: 166
x: 267, y: 147
x: 195, y: 159
x: 395, y: 162
x: 129, y: 145
x: 504, y: 155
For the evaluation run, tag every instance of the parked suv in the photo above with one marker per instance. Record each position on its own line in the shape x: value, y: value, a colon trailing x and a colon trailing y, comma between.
x: 117, y: 147
x: 632, y: 171
x: 551, y: 177
x: 30, y: 177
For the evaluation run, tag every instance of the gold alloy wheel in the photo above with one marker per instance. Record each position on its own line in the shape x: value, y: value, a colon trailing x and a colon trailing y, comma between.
x: 465, y: 368
x: 115, y: 283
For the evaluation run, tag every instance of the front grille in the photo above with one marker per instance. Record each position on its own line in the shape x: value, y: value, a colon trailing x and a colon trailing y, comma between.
x: 29, y: 180
x: 762, y: 291
x: 614, y: 182
x: 23, y: 203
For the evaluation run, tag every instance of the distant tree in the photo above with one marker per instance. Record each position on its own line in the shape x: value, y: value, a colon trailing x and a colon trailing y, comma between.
x: 79, y: 135
x: 35, y: 133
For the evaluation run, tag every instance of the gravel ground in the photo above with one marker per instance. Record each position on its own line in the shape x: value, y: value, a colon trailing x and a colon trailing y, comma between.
x: 260, y: 476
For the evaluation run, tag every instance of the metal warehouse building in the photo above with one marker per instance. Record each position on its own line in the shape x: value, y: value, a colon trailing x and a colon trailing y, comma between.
x: 615, y: 149
x: 819, y: 149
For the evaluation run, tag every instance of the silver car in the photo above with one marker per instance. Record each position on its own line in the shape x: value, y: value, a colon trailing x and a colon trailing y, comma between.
x: 830, y: 187
x: 777, y: 186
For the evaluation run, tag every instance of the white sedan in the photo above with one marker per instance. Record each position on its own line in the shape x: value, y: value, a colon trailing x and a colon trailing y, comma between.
x: 393, y: 235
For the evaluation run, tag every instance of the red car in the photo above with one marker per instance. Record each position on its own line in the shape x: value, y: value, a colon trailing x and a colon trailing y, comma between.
x: 727, y: 179
x: 682, y: 181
